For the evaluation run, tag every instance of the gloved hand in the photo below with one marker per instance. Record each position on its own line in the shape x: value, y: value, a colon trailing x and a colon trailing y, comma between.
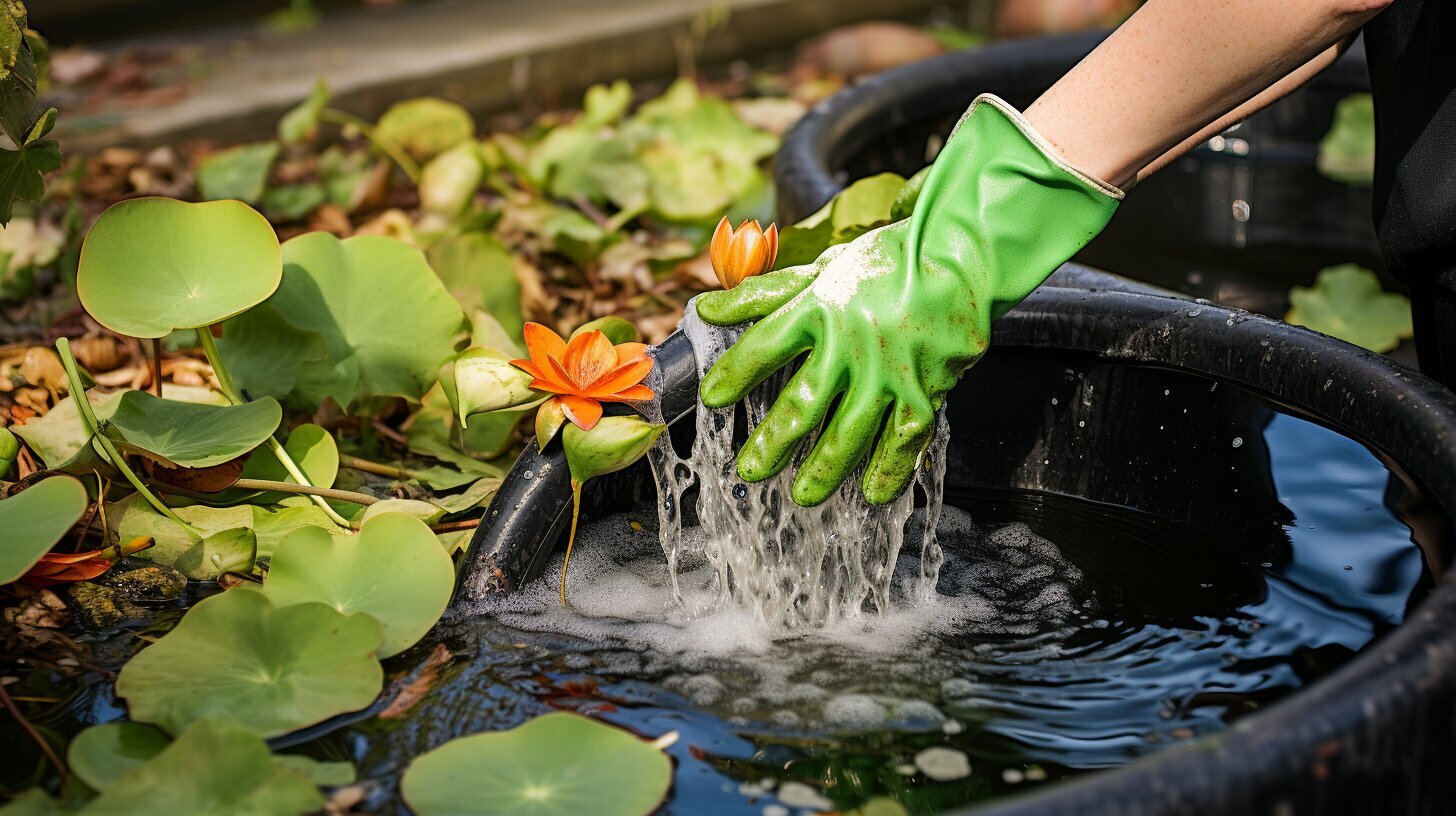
x: 893, y: 318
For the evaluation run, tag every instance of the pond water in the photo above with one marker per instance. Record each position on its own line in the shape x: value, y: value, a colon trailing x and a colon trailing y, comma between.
x: 1037, y: 661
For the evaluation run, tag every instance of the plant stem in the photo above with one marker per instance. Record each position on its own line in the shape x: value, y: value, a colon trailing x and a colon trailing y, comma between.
x: 355, y: 463
x: 157, y: 366
x: 83, y: 409
x: 230, y: 390
x: 407, y: 164
x: 40, y: 741
x: 456, y: 526
x: 363, y: 499
x: 570, y: 539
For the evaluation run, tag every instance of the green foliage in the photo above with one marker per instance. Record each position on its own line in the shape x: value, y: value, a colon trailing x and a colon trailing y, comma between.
x: 102, y: 754
x: 237, y: 657
x: 1347, y: 151
x: 394, y: 570
x: 855, y: 210
x: 9, y: 451
x: 425, y: 127
x: 482, y: 380
x: 214, y: 767
x: 311, y: 448
x: 615, y: 328
x: 376, y: 346
x: 60, y: 438
x: 615, y: 443
x: 183, y: 434
x: 1347, y: 302
x: 265, y: 353
x: 480, y: 274
x: 35, y: 519
x: 558, y: 763
x: 301, y: 123
x: 22, y: 70
x: 132, y: 517
x: 449, y: 181
x: 237, y: 173
x: 22, y: 170
x: 151, y: 266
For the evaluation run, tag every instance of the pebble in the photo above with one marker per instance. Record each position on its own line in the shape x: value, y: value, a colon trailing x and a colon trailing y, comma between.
x: 799, y: 795
x: 943, y: 764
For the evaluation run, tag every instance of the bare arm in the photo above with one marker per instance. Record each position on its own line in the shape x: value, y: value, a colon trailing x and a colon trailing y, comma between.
x: 1179, y: 71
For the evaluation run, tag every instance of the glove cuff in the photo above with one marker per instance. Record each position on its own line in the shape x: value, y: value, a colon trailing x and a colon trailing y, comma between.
x: 1040, y: 141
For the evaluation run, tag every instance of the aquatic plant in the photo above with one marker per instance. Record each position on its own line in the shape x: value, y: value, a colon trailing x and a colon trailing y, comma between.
x: 585, y: 372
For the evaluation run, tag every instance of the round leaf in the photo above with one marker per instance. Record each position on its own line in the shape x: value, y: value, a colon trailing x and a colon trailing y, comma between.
x: 1347, y: 302
x: 394, y: 570
x: 425, y: 127
x: 186, y: 434
x: 386, y: 320
x: 104, y: 753
x: 557, y: 765
x: 310, y: 447
x: 236, y: 657
x: 226, y: 551
x: 216, y: 767
x: 34, y: 519
x: 153, y: 265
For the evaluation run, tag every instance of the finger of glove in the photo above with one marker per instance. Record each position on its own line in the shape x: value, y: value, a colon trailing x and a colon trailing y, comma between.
x: 755, y: 298
x: 907, y: 433
x: 766, y: 347
x: 799, y: 410
x: 840, y: 448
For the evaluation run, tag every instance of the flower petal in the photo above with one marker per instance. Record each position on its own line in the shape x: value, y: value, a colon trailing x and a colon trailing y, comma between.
x: 552, y: 387
x: 563, y: 380
x: 583, y: 412
x: 589, y: 355
x: 772, y: 236
x: 530, y: 368
x: 636, y: 393
x: 542, y: 343
x: 722, y: 237
x: 627, y: 352
x: 623, y: 376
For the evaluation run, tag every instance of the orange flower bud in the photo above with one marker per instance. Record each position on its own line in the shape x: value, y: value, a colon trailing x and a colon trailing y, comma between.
x: 742, y: 253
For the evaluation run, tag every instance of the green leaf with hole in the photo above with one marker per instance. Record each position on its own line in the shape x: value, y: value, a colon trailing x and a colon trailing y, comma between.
x: 102, y: 754
x: 1347, y: 151
x: 1347, y: 302
x: 237, y: 173
x: 35, y: 519
x: 425, y: 127
x: 214, y: 767
x: 237, y: 657
x: 555, y: 765
x: 386, y: 320
x: 394, y: 570
x: 187, y: 434
x: 480, y: 274
x: 151, y: 266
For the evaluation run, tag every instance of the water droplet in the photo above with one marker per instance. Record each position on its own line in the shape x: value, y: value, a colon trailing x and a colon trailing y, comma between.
x: 1267, y: 565
x: 530, y: 474
x: 1348, y: 568
x: 1054, y: 400
x: 1081, y: 423
x: 1238, y: 441
x: 740, y: 491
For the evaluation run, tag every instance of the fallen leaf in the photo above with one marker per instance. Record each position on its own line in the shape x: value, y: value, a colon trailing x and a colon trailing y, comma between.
x: 419, y: 685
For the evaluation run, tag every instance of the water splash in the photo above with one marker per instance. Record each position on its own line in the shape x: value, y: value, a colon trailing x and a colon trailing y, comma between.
x: 788, y: 566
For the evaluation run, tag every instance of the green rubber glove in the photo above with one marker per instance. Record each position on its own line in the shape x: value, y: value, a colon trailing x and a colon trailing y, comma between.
x: 893, y: 318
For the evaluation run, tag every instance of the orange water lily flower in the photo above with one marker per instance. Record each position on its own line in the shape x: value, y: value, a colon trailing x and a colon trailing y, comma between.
x: 65, y: 568
x: 742, y: 253
x: 585, y: 372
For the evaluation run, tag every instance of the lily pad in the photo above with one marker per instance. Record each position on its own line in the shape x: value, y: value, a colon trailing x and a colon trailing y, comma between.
x: 1347, y: 151
x: 480, y: 274
x: 184, y: 434
x: 60, y: 436
x: 237, y: 657
x: 559, y: 763
x: 215, y: 767
x: 263, y: 352
x: 150, y: 266
x: 238, y: 172
x: 394, y: 570
x: 226, y: 551
x: 132, y: 517
x: 425, y: 127
x: 35, y: 519
x: 428, y: 512
x: 272, y: 525
x: 310, y: 447
x: 102, y: 754
x: 1347, y: 302
x: 387, y: 322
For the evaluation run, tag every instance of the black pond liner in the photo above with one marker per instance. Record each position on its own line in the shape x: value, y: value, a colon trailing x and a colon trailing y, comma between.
x: 1378, y: 735
x: 1239, y: 224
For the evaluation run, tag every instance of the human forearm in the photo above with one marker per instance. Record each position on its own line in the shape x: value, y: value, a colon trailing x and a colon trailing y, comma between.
x: 1177, y: 68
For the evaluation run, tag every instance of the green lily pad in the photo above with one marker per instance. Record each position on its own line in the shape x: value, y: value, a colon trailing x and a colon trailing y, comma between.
x: 132, y: 517
x: 272, y: 525
x: 35, y: 519
x: 855, y: 210
x: 150, y: 266
x: 237, y: 657
x: 479, y: 272
x: 394, y: 570
x: 321, y: 773
x: 559, y: 763
x: 60, y: 437
x: 264, y: 353
x: 1347, y: 302
x: 428, y: 512
x: 1347, y: 151
x: 102, y: 754
x: 425, y: 127
x: 184, y: 434
x: 33, y: 802
x: 238, y: 172
x: 310, y: 447
x: 226, y: 551
x: 387, y: 322
x: 215, y: 767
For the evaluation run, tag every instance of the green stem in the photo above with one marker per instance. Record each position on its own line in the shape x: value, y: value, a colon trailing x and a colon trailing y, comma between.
x: 83, y: 409
x: 570, y: 539
x: 338, y: 117
x: 362, y: 499
x: 230, y: 390
x: 366, y: 466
